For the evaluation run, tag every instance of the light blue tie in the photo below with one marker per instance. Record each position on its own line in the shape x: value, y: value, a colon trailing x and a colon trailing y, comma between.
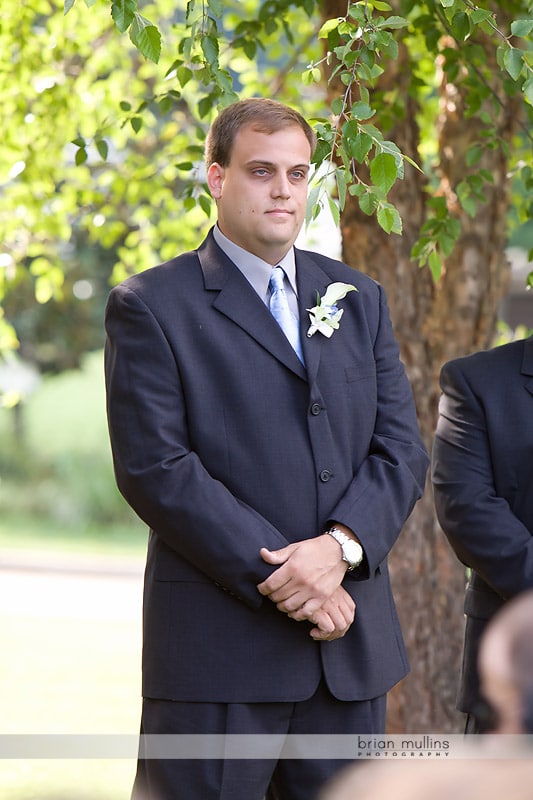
x: 280, y: 310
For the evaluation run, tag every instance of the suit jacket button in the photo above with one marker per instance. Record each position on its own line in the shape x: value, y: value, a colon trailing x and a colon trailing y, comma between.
x: 325, y: 475
x: 316, y: 408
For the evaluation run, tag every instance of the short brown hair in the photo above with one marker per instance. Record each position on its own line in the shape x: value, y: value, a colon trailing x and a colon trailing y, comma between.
x: 263, y: 114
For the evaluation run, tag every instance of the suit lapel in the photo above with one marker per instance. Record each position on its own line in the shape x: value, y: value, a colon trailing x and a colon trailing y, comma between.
x: 238, y: 301
x: 311, y: 279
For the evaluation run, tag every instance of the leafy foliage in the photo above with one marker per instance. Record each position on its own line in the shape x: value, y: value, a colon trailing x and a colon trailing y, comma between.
x: 359, y: 47
x: 103, y: 140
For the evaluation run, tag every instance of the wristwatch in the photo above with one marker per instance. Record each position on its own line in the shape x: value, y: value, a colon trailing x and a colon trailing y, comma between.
x: 352, y: 552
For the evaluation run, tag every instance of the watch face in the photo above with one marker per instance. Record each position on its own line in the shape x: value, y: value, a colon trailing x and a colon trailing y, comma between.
x: 354, y: 552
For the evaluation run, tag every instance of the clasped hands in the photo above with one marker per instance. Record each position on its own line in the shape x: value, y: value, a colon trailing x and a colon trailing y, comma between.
x: 307, y: 585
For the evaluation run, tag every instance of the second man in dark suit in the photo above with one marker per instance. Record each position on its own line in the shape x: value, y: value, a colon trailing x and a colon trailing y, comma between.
x: 482, y: 471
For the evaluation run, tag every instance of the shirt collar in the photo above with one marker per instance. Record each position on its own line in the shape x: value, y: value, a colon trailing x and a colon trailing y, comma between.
x: 255, y: 270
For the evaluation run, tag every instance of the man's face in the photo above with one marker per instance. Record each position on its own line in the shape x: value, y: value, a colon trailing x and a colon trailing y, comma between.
x: 261, y: 195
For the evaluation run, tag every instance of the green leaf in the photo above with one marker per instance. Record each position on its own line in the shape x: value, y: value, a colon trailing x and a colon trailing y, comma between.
x: 103, y: 149
x: 340, y: 179
x: 473, y: 155
x: 368, y: 202
x: 311, y: 75
x: 337, y: 104
x: 313, y: 203
x: 68, y: 5
x: 357, y: 189
x: 529, y: 280
x: 389, y: 219
x: 123, y: 13
x: 480, y: 15
x: 361, y: 110
x: 136, y: 123
x: 250, y: 48
x: 146, y: 38
x: 461, y: 26
x: 360, y: 146
x: 184, y: 75
x: 435, y: 265
x: 216, y: 7
x: 522, y: 27
x: 210, y: 49
x: 81, y: 156
x: 335, y: 211
x: 328, y: 26
x: 205, y: 105
x: 381, y: 6
x: 205, y: 204
x: 384, y: 171
x: 165, y: 104
x: 394, y: 23
x: 528, y: 90
x: 466, y: 200
x: 512, y: 61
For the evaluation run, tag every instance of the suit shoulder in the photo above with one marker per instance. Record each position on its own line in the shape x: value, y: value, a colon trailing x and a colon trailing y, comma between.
x: 339, y: 271
x: 157, y: 279
x: 482, y: 367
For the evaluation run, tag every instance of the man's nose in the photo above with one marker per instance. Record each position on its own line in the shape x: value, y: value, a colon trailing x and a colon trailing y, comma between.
x: 281, y: 186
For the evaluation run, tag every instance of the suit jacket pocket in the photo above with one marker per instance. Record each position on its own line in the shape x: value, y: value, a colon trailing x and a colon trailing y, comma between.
x: 358, y: 373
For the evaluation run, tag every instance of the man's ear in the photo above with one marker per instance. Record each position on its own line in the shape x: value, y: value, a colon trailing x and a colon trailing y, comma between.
x: 215, y: 179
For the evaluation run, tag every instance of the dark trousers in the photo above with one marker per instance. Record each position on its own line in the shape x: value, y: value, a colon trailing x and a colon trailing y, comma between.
x: 251, y: 778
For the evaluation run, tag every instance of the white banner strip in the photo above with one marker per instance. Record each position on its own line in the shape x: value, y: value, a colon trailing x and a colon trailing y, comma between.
x: 261, y: 746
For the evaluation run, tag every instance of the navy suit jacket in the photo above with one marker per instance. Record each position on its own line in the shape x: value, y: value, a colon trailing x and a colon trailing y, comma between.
x: 482, y: 471
x: 224, y: 443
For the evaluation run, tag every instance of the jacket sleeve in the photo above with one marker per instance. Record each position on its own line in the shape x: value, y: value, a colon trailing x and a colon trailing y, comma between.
x: 480, y: 525
x: 391, y: 478
x: 156, y: 470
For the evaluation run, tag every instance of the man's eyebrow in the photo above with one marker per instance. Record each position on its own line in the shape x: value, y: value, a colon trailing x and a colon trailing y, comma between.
x: 257, y: 162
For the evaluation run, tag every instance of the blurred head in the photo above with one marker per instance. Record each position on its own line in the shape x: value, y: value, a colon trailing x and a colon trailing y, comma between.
x: 506, y: 665
x: 456, y: 779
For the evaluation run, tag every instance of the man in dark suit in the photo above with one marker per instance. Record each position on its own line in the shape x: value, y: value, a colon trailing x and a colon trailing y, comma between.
x: 482, y: 472
x: 274, y: 484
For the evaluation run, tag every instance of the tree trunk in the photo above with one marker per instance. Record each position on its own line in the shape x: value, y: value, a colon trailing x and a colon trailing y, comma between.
x: 433, y: 323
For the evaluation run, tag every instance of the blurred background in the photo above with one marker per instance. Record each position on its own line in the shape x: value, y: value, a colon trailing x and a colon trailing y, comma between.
x: 71, y: 560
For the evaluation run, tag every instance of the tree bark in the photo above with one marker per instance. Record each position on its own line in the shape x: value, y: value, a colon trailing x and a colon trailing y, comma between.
x: 433, y: 323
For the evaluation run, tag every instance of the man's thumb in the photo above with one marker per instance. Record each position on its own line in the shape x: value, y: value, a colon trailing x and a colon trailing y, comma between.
x: 273, y: 556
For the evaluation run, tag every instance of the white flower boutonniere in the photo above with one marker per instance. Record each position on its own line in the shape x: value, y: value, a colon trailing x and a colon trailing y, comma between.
x: 326, y: 315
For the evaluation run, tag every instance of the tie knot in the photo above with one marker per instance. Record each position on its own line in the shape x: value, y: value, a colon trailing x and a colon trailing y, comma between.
x: 277, y: 276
